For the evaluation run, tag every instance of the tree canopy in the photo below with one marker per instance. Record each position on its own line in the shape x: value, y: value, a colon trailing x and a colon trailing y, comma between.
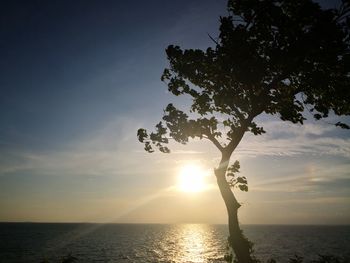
x: 276, y: 57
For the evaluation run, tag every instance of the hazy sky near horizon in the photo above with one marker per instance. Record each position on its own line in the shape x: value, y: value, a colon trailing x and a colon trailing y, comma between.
x: 78, y: 78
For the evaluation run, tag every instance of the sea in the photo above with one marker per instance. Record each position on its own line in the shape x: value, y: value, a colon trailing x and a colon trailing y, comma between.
x: 161, y: 243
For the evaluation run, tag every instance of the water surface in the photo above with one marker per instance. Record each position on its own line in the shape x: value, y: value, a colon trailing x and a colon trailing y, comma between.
x: 190, y: 243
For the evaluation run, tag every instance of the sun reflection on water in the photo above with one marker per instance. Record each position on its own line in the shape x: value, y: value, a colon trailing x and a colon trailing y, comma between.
x: 193, y: 243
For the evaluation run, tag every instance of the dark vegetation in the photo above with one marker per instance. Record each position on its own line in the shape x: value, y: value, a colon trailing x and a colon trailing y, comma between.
x: 296, y: 259
x: 321, y: 259
x: 275, y: 57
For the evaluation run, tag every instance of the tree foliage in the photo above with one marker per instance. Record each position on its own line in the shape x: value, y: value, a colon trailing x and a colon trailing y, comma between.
x: 277, y: 57
x: 239, y: 182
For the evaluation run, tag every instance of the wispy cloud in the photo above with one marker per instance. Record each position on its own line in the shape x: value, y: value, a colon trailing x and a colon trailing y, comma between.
x: 105, y: 151
x: 284, y: 139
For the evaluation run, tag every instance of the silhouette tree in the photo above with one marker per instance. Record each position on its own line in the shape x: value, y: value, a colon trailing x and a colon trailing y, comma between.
x: 277, y: 57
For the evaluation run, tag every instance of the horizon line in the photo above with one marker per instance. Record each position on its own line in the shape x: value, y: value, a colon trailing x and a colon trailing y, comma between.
x: 178, y: 223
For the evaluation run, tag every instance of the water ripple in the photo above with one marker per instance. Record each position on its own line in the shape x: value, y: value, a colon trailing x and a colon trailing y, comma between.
x: 188, y: 243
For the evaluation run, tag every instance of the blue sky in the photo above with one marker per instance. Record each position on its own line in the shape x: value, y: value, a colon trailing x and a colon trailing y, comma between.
x: 80, y: 77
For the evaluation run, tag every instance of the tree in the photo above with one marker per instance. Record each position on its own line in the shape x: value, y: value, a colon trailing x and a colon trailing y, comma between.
x: 276, y: 57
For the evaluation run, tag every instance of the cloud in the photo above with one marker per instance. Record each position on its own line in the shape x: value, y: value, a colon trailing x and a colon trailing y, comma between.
x: 284, y: 139
x: 104, y: 151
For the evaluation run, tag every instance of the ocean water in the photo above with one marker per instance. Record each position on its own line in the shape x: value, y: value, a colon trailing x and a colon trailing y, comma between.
x: 33, y: 242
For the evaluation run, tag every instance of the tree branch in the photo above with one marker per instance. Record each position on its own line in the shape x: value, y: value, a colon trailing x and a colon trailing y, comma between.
x: 240, y: 132
x: 238, y: 113
x: 344, y: 11
x: 211, y: 138
x: 215, y: 41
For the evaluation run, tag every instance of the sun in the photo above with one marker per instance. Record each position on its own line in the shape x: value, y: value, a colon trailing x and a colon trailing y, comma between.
x: 192, y: 179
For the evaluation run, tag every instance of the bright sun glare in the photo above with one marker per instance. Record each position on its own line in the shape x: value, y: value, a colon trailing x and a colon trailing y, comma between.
x: 191, y: 179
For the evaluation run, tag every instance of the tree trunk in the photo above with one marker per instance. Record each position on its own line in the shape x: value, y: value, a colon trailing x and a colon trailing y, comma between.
x: 239, y: 244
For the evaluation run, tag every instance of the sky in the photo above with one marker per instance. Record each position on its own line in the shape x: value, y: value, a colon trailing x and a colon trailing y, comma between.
x: 78, y: 78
